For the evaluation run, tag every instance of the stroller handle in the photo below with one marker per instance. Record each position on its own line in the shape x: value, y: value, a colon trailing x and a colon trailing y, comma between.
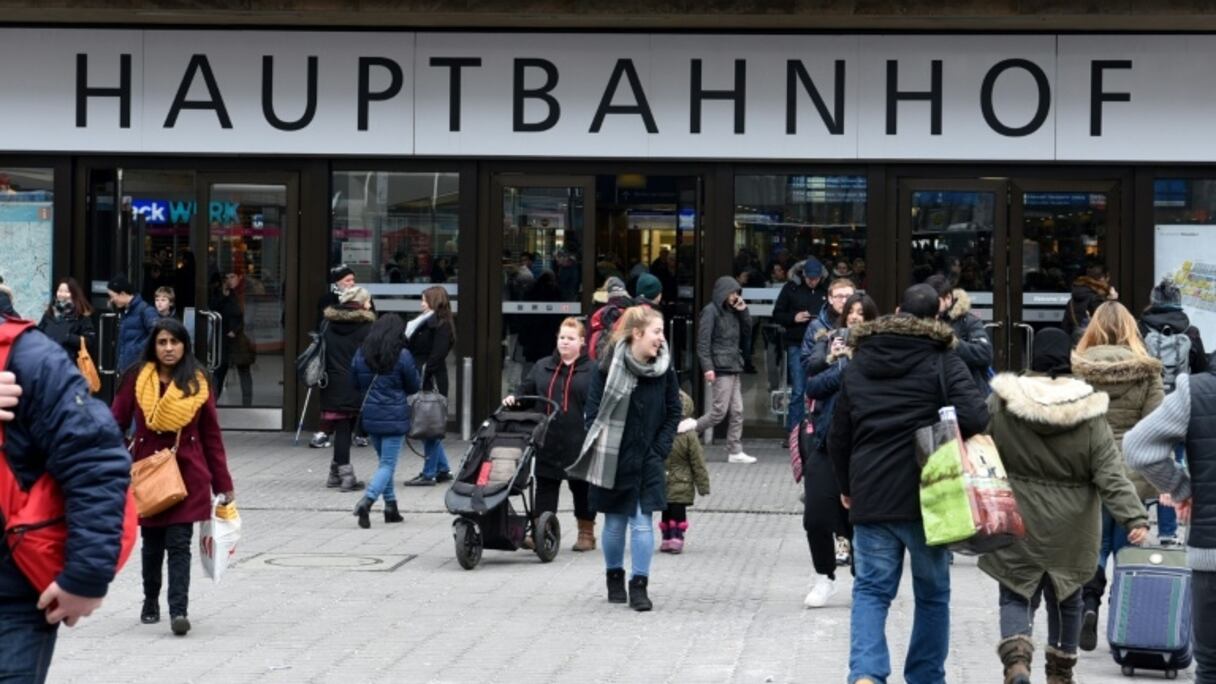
x: 557, y: 408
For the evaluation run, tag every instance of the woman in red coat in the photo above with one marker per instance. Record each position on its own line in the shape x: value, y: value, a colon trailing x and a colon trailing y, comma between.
x: 171, y: 400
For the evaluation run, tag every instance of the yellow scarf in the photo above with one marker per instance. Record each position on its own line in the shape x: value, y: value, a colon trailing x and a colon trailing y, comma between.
x: 172, y: 411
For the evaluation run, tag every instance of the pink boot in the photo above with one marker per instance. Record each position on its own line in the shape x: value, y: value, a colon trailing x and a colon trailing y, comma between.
x: 667, y: 529
x: 677, y: 536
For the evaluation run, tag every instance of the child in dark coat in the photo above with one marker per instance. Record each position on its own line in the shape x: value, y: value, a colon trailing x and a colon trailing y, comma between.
x: 686, y: 477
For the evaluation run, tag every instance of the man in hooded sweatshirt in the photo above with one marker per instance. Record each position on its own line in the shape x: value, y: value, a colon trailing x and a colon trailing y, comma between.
x: 903, y: 371
x: 723, y: 323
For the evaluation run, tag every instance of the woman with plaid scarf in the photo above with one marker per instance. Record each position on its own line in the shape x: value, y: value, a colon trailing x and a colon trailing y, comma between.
x: 632, y: 411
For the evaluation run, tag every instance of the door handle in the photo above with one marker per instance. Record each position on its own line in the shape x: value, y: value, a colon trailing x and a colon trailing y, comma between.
x: 101, y: 343
x: 994, y: 325
x: 1028, y: 343
x: 217, y: 339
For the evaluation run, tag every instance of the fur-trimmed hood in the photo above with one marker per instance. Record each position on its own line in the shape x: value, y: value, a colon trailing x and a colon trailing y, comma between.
x: 1058, y: 403
x: 341, y: 314
x: 962, y: 304
x: 902, y: 324
x: 1114, y: 365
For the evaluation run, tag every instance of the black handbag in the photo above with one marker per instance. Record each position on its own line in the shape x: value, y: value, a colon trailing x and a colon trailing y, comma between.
x: 428, y: 415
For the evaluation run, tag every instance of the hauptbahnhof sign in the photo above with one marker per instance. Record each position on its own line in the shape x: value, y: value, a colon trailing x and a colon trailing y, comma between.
x: 653, y: 96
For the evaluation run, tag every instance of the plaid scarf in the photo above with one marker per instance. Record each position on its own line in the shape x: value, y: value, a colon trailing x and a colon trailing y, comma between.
x: 600, y: 454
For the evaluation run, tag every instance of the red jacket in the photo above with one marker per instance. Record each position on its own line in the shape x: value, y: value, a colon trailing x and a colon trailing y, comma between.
x: 200, y: 455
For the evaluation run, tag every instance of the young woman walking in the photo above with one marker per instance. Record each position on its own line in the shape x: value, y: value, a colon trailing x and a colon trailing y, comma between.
x: 385, y: 375
x: 171, y: 401
x: 631, y: 416
x: 67, y: 318
x: 430, y: 337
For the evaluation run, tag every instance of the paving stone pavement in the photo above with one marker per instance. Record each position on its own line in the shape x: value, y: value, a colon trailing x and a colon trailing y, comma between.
x: 315, y: 599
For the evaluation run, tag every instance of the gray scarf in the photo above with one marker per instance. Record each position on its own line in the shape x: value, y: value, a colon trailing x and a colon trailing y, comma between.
x: 412, y: 326
x: 600, y: 454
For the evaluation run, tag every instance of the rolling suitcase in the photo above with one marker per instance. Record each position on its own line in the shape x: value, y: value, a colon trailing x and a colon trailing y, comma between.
x: 1149, y: 625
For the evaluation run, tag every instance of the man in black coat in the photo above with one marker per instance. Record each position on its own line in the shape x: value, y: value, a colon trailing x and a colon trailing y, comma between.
x: 56, y: 427
x: 800, y: 301
x: 973, y: 345
x: 903, y: 370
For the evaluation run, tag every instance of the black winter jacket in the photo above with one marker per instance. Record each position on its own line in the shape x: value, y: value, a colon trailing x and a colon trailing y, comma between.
x: 1160, y: 317
x: 973, y: 345
x: 344, y: 335
x: 568, y: 385
x: 68, y: 330
x: 59, y: 428
x: 892, y: 387
x: 650, y: 428
x: 430, y: 346
x: 795, y: 297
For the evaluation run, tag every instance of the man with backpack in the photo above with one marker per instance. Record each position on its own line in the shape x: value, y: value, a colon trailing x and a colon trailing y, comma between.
x: 1170, y: 337
x: 56, y: 429
x: 616, y: 300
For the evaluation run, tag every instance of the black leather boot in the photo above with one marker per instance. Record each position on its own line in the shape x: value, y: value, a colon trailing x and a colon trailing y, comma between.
x: 616, y: 586
x: 363, y: 511
x: 334, y: 480
x: 638, y: 600
x: 391, y: 515
x: 150, y: 614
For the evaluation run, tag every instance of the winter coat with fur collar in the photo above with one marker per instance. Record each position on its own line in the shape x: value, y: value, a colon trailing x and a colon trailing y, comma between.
x: 1062, y: 462
x: 1134, y: 385
x: 973, y: 347
x: 347, y: 329
x: 892, y: 387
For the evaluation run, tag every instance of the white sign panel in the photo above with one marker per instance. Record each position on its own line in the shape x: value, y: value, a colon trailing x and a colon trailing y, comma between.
x: 1187, y: 253
x: 630, y: 96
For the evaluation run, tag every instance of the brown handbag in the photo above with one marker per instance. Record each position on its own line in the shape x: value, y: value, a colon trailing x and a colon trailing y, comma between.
x: 156, y: 481
x: 87, y: 368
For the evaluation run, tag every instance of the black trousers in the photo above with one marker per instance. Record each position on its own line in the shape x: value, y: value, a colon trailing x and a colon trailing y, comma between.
x: 246, y: 376
x: 1203, y: 622
x: 675, y: 513
x: 548, y: 489
x: 343, y: 430
x: 824, y: 517
x: 175, y: 541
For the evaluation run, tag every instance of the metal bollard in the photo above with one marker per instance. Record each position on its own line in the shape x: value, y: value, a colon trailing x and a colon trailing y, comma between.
x: 466, y: 404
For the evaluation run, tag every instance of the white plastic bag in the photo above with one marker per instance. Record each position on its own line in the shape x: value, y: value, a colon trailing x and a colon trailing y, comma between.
x: 217, y: 538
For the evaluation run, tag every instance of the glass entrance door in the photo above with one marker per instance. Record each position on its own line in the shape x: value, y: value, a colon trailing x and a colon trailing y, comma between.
x: 1015, y: 246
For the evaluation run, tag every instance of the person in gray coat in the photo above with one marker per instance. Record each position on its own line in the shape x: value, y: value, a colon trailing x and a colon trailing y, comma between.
x: 723, y: 323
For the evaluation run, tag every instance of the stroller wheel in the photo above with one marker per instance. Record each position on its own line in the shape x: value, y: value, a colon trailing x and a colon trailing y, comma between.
x: 548, y: 536
x: 468, y: 543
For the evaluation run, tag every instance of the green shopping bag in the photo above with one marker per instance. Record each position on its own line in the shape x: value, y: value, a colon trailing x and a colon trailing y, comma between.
x: 945, y: 503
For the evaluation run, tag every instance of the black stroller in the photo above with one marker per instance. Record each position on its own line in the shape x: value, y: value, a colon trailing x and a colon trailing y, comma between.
x: 497, y: 466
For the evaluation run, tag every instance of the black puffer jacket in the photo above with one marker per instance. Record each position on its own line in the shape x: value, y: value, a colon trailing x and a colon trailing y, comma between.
x: 1160, y: 318
x: 795, y: 298
x: 68, y: 330
x: 430, y: 346
x: 893, y: 387
x: 347, y: 329
x: 974, y: 347
x: 568, y: 385
x: 720, y: 329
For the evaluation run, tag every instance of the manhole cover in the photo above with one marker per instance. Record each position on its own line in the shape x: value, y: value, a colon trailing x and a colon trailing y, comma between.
x: 328, y: 561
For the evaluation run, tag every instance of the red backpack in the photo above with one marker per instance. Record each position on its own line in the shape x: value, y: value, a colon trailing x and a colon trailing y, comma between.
x: 35, y: 528
x: 602, y: 322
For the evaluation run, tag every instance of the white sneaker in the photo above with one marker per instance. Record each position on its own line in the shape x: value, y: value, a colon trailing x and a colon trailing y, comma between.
x: 686, y: 425
x: 740, y: 458
x: 819, y: 594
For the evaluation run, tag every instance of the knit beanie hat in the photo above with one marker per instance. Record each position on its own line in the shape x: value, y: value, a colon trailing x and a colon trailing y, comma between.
x: 355, y: 294
x: 1166, y: 294
x: 339, y: 272
x: 1052, y: 352
x: 615, y: 287
x: 649, y: 286
x: 812, y: 268
x: 120, y: 284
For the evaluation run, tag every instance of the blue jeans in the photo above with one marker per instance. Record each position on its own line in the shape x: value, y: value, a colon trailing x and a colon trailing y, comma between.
x: 1114, y: 537
x: 793, y: 366
x: 1167, y: 519
x: 436, y: 459
x: 26, y: 643
x: 878, y: 560
x: 641, y: 541
x: 388, y: 447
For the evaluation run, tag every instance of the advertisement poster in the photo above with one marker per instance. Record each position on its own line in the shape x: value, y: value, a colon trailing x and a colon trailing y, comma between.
x: 1187, y: 253
x: 25, y: 263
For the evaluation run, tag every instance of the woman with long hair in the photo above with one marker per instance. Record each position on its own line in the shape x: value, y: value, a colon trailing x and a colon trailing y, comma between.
x: 430, y: 337
x: 826, y: 521
x: 385, y: 375
x: 565, y: 378
x: 171, y: 400
x: 67, y: 318
x: 632, y: 411
x: 1111, y: 357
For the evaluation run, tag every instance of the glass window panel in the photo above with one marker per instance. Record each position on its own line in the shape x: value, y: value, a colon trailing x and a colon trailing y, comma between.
x: 779, y: 221
x: 27, y: 233
x: 1184, y: 214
